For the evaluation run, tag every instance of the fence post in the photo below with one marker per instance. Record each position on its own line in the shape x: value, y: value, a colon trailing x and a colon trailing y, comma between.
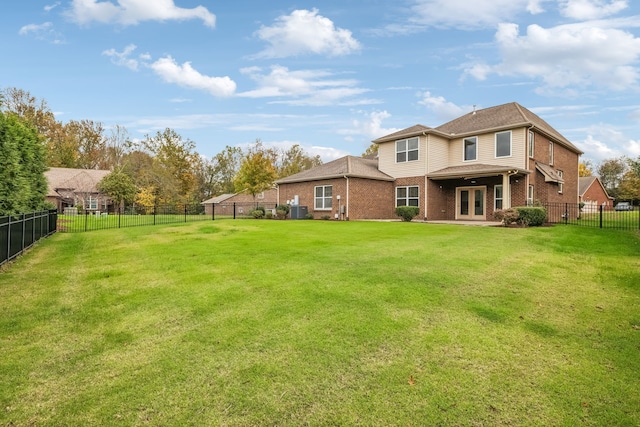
x: 185, y: 212
x: 601, y: 213
x: 213, y: 211
x: 234, y: 210
x: 155, y: 211
x: 86, y: 219
x: 119, y: 215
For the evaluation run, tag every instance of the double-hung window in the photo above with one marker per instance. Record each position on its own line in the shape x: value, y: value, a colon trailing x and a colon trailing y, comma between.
x: 503, y: 144
x: 530, y: 196
x: 532, y: 140
x: 407, y: 196
x: 470, y: 148
x: 323, y: 197
x: 92, y: 203
x: 560, y: 184
x: 407, y: 150
x: 497, y: 197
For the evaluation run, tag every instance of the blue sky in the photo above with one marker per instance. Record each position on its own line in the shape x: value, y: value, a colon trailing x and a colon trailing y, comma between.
x: 330, y: 75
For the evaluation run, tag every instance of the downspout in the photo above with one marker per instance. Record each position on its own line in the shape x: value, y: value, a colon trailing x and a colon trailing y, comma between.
x: 346, y: 202
x: 426, y: 160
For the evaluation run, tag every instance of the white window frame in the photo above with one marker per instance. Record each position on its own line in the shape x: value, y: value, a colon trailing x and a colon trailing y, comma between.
x: 407, y: 198
x: 92, y: 203
x: 532, y: 142
x: 550, y: 153
x: 326, y: 202
x: 496, y: 198
x: 510, y: 144
x: 530, y: 194
x: 560, y: 184
x: 407, y: 151
x: 464, y: 148
x: 260, y: 195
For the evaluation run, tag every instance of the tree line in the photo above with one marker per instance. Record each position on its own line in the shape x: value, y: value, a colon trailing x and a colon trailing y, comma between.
x: 162, y: 168
x: 620, y: 176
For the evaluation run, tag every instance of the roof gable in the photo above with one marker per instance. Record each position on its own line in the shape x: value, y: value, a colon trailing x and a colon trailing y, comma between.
x: 77, y: 180
x: 414, y: 130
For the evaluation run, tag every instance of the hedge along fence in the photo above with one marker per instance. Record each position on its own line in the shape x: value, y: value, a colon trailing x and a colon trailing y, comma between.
x: 18, y: 233
x: 533, y: 216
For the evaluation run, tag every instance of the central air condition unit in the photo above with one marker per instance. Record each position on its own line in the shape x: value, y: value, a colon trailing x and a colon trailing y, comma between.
x: 298, y: 212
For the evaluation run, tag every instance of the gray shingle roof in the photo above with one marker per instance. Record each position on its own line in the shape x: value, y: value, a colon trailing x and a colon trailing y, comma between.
x: 79, y: 180
x: 350, y: 166
x: 404, y: 133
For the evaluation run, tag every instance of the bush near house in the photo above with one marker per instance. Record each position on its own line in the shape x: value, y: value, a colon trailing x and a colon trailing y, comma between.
x: 533, y: 216
x: 407, y: 213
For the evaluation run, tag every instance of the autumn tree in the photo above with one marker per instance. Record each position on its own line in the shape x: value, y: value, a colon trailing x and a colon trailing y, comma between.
x: 119, y: 187
x: 224, y: 167
x: 295, y: 160
x: 610, y: 172
x: 585, y: 168
x: 257, y: 171
x: 174, y: 163
x: 371, y: 151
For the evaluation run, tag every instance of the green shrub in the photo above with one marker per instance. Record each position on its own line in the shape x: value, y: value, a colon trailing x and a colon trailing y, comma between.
x: 308, y: 216
x: 283, y: 208
x: 507, y: 216
x: 268, y: 215
x: 326, y: 217
x: 281, y: 213
x: 258, y: 213
x: 407, y: 213
x: 533, y: 216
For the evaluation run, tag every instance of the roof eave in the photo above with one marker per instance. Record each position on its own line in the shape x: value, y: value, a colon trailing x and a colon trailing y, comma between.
x: 479, y: 174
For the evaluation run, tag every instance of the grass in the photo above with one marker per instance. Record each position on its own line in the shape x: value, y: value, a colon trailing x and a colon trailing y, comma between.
x: 75, y: 223
x: 323, y: 323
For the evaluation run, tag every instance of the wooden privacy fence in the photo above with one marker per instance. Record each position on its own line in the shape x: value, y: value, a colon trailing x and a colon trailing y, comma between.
x: 20, y: 232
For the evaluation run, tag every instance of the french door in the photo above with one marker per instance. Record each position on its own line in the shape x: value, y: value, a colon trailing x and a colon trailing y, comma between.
x: 470, y: 203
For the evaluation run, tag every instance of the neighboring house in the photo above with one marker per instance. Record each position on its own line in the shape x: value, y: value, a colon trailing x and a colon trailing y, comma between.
x: 77, y: 187
x: 244, y: 202
x: 465, y: 169
x: 593, y: 194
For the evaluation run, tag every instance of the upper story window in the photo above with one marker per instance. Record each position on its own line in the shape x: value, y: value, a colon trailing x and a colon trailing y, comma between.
x: 550, y: 153
x: 470, y: 148
x: 407, y: 150
x: 532, y: 140
x: 323, y: 197
x: 503, y: 144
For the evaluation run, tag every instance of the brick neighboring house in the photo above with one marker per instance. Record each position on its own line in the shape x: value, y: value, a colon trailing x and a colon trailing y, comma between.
x: 593, y: 194
x: 69, y: 187
x: 245, y: 202
x: 489, y: 159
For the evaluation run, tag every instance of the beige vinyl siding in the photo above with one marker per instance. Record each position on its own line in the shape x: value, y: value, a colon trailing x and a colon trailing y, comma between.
x: 487, y: 150
x: 387, y: 160
x: 438, y: 157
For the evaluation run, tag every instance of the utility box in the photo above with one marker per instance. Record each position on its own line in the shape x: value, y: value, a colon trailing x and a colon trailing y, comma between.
x: 298, y: 212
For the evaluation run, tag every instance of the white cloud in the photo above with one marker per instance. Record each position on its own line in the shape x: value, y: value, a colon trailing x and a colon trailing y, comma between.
x: 186, y: 76
x: 371, y: 127
x: 579, y: 55
x: 305, y: 32
x: 50, y: 7
x: 43, y: 32
x: 123, y: 58
x: 462, y: 15
x: 305, y: 87
x: 132, y: 12
x: 617, y: 143
x: 443, y: 109
x: 591, y: 9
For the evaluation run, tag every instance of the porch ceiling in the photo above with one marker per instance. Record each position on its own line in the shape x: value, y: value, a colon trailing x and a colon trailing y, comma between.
x: 475, y: 171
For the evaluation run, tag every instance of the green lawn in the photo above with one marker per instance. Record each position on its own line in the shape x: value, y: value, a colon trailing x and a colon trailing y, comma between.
x: 323, y: 323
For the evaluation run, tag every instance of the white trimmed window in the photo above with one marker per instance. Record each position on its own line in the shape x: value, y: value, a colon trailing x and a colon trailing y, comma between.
x: 260, y: 195
x: 92, y: 203
x: 550, y: 153
x: 407, y: 196
x: 530, y: 195
x: 470, y: 148
x: 407, y: 150
x: 323, y: 197
x: 560, y: 184
x: 497, y: 197
x: 532, y: 140
x: 503, y: 144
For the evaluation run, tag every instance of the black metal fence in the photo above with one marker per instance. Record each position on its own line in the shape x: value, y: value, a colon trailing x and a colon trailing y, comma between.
x: 239, y: 210
x: 574, y: 214
x: 20, y: 232
x: 132, y: 216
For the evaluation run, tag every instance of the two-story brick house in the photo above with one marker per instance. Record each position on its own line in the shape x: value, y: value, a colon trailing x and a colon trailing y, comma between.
x: 465, y: 169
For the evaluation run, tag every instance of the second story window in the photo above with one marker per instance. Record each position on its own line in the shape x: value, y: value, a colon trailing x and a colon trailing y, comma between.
x: 532, y: 141
x: 470, y: 148
x: 503, y: 144
x: 407, y: 150
x: 551, y: 153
